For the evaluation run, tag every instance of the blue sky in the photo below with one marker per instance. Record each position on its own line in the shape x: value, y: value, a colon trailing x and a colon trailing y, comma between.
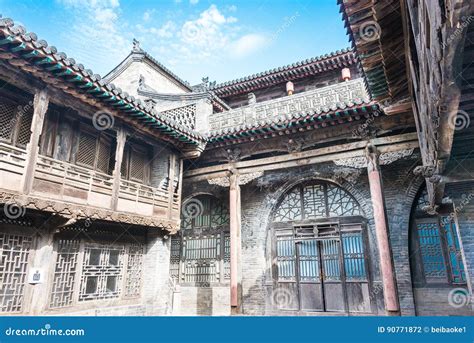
x: 194, y: 38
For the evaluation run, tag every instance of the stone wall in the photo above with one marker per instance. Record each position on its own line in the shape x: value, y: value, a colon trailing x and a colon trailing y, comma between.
x: 261, y: 196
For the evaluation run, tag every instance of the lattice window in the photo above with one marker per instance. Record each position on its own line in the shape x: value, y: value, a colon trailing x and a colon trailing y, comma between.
x: 103, y: 155
x: 286, y: 256
x: 175, y: 257
x: 64, y: 278
x: 436, y: 253
x: 204, y: 212
x: 7, y: 120
x: 94, y: 150
x: 340, y: 203
x: 354, y: 259
x: 290, y: 207
x: 24, y: 131
x: 86, y: 272
x: 136, y: 163
x: 133, y: 276
x: 102, y: 272
x: 318, y: 200
x: 314, y: 201
x: 185, y: 116
x: 201, y: 253
x: 137, y: 166
x: 226, y: 257
x: 14, y: 252
x: 86, y: 150
x: 430, y: 248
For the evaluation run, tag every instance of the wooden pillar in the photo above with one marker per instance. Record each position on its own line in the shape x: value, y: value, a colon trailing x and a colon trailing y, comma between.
x: 381, y: 230
x: 40, y: 106
x: 43, y: 260
x: 121, y: 139
x: 235, y: 244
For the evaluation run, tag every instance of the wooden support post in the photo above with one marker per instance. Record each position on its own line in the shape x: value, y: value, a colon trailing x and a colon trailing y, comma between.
x: 235, y: 244
x: 171, y: 176
x: 381, y: 230
x: 43, y: 261
x: 121, y: 140
x: 40, y: 106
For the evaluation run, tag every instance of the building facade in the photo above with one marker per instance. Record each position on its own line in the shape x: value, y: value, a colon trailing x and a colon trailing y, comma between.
x: 338, y: 185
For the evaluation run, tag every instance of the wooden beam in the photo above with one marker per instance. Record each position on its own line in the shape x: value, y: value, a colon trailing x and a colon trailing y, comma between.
x: 386, y: 144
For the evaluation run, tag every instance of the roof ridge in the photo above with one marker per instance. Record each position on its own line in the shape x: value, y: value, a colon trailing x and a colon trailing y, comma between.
x: 284, y: 67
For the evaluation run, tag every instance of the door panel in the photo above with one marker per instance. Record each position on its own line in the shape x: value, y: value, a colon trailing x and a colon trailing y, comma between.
x: 321, y: 268
x: 333, y: 288
x: 311, y: 297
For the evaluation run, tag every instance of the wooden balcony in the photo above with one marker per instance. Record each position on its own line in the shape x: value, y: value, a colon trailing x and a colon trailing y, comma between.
x: 78, y: 192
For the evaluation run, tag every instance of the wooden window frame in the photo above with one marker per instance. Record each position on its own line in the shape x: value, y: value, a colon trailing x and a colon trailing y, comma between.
x: 421, y: 279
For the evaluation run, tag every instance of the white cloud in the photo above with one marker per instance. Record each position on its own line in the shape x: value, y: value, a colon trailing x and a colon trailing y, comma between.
x: 193, y: 2
x: 96, y: 30
x: 248, y: 45
x: 167, y: 30
x: 147, y: 15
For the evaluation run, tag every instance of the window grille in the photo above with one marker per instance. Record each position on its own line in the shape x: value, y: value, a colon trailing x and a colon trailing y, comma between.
x: 314, y: 201
x: 94, y: 150
x: 133, y: 277
x: 15, y: 123
x: 136, y: 163
x: 65, y: 271
x: 103, y: 155
x: 7, y: 122
x: 200, y: 253
x: 14, y: 253
x: 25, y: 118
x: 86, y: 272
x: 435, y: 244
x: 86, y: 150
x: 102, y: 272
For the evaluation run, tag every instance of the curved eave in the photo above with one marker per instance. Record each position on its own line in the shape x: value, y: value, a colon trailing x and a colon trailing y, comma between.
x: 35, y: 56
x: 299, y: 123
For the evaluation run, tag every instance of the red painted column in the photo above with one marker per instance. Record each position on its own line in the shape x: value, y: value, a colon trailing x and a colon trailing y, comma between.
x: 235, y: 243
x: 381, y: 230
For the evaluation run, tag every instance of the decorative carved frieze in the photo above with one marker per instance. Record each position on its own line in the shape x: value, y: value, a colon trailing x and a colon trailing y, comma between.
x: 354, y: 162
x: 243, y: 179
x: 384, y: 159
x: 76, y: 211
x: 317, y: 100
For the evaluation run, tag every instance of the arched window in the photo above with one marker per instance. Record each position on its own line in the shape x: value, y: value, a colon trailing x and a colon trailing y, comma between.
x: 319, y: 245
x: 200, y: 252
x: 435, y: 251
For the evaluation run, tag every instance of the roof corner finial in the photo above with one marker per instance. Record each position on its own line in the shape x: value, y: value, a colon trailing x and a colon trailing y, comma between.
x: 136, y: 46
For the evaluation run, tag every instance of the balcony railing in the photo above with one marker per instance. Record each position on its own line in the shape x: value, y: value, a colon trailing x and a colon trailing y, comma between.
x: 65, y: 182
x: 317, y: 99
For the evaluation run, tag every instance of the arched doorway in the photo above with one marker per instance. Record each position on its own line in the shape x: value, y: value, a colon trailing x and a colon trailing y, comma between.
x: 319, y: 251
